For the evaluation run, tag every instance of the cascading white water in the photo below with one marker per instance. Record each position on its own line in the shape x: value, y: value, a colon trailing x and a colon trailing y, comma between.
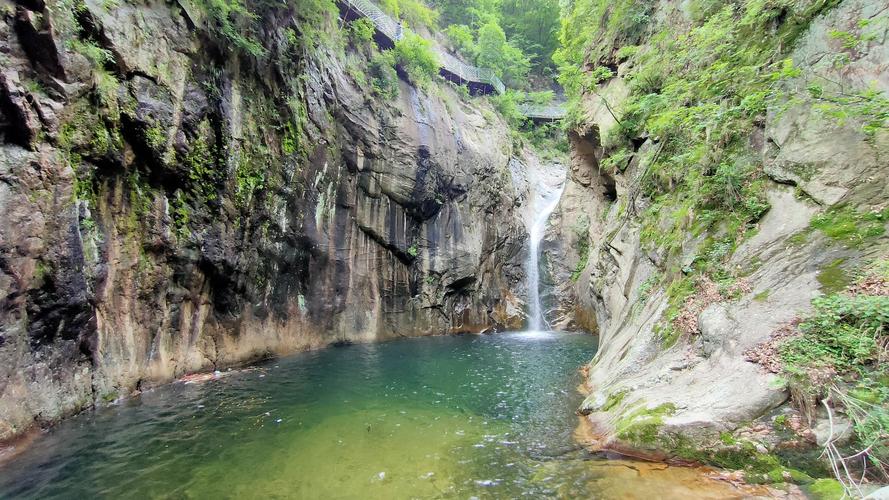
x: 543, y: 206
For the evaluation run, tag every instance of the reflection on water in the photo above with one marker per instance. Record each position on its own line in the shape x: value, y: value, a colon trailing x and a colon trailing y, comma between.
x: 441, y: 417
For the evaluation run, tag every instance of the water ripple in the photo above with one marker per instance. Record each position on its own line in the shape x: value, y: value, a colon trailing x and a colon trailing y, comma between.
x: 443, y: 416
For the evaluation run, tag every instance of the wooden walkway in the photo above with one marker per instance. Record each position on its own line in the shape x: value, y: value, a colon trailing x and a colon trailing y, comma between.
x: 543, y: 112
x: 389, y: 31
x: 478, y: 80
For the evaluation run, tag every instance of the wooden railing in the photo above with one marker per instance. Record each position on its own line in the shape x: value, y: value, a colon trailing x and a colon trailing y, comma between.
x: 479, y: 79
x: 551, y: 112
x: 470, y: 73
x: 392, y: 30
x: 384, y: 24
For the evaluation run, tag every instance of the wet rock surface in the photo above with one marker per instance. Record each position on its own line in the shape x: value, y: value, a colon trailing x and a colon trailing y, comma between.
x: 173, y: 204
x: 702, y: 386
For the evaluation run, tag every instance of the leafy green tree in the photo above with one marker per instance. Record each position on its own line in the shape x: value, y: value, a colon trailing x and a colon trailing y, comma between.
x: 496, y: 53
x: 491, y: 45
x: 462, y: 39
x: 414, y: 12
x: 533, y: 26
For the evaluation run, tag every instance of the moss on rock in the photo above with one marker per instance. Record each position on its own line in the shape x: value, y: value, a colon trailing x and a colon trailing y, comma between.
x: 641, y: 425
x: 825, y: 489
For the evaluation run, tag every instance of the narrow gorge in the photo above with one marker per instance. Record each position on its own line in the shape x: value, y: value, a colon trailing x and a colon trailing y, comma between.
x: 645, y: 243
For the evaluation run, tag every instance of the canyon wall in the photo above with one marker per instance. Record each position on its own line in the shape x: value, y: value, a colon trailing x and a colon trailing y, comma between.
x: 177, y: 197
x: 684, y: 290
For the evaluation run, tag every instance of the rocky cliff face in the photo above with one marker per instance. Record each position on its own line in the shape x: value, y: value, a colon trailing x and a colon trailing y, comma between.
x: 671, y: 376
x: 176, y: 198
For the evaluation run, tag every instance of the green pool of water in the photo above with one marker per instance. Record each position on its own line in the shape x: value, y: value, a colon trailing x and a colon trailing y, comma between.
x: 442, y: 417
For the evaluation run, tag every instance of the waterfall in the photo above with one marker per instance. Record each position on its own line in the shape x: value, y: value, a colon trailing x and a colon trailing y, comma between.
x: 544, y: 205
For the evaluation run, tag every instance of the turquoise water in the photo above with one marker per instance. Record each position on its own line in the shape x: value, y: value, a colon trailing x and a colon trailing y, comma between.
x: 441, y: 417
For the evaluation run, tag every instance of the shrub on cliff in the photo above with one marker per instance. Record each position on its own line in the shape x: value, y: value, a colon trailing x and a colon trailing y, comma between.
x: 508, y: 106
x: 414, y: 12
x: 361, y: 31
x: 415, y: 56
x: 837, y: 363
x: 232, y: 20
x: 384, y: 79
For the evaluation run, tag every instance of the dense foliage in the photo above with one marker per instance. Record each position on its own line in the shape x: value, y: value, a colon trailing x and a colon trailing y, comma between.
x: 493, y: 51
x: 414, y: 54
x: 840, y: 358
x: 512, y: 37
x: 414, y: 12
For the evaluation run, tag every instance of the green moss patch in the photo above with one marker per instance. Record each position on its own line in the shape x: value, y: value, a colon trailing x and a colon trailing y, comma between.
x: 825, y: 489
x: 737, y: 454
x: 641, y: 425
x: 614, y: 399
x: 850, y: 226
